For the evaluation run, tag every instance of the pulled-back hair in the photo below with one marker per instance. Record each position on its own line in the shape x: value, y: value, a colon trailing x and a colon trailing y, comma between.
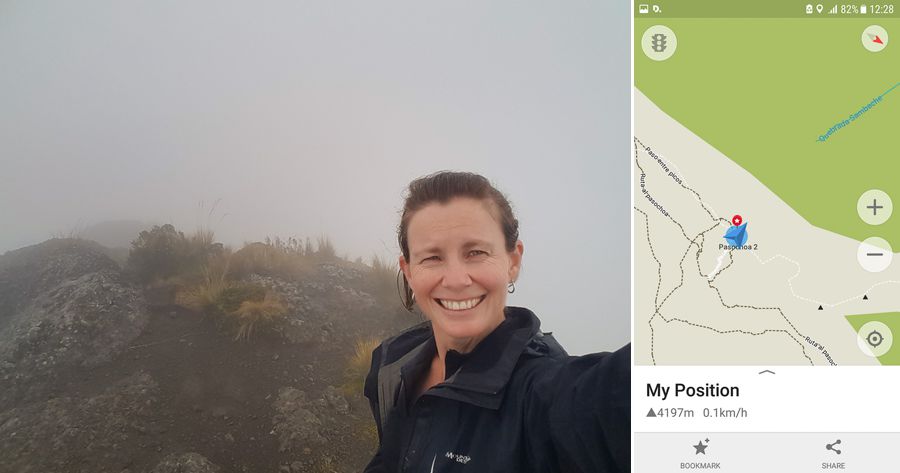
x: 443, y: 186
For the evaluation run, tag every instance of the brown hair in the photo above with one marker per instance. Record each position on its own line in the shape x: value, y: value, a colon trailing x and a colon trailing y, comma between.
x: 441, y: 187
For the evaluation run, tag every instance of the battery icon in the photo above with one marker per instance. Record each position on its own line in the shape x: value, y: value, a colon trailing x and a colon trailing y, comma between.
x: 862, y: 9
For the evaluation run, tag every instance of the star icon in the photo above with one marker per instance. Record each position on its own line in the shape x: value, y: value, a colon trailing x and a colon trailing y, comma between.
x: 700, y: 448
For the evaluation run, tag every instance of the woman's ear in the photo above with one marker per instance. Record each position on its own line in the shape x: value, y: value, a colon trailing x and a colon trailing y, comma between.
x: 515, y: 261
x: 404, y: 266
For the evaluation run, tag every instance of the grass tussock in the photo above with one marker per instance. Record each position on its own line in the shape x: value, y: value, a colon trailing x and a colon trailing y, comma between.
x: 382, y: 279
x: 203, y: 275
x: 289, y: 258
x: 251, y: 315
x: 202, y: 239
x: 325, y: 249
x: 249, y: 306
x: 206, y: 296
x: 369, y: 432
x: 358, y: 366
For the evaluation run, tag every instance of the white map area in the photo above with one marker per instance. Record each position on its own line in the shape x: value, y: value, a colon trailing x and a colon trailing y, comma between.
x: 696, y: 304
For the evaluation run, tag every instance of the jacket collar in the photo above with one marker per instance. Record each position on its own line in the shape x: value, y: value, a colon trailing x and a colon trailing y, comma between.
x: 477, y: 377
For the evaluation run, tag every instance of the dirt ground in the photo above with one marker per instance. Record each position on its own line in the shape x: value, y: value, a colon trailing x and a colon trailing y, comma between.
x: 215, y: 397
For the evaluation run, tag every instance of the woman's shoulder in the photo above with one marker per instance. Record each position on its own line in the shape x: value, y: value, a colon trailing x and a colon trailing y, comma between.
x: 396, y: 346
x: 391, y: 353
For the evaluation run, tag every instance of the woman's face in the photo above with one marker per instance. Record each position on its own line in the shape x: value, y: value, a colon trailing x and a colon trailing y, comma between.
x: 459, y: 268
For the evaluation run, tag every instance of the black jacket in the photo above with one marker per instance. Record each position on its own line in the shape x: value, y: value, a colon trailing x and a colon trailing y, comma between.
x: 514, y: 404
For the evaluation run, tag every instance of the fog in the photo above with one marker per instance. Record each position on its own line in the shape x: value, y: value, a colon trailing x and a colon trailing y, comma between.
x: 300, y: 118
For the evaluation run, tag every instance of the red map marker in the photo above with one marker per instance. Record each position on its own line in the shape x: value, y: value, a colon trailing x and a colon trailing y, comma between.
x: 737, y: 220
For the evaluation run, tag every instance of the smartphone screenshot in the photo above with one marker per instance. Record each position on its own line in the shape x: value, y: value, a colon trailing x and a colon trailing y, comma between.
x: 765, y: 294
x: 314, y: 237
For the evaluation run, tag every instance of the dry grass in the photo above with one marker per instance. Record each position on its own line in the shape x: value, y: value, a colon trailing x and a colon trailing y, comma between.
x: 382, y: 280
x: 202, y: 239
x: 253, y: 314
x: 206, y: 295
x: 358, y: 366
x: 384, y: 269
x: 276, y: 257
x: 324, y: 248
x: 369, y: 432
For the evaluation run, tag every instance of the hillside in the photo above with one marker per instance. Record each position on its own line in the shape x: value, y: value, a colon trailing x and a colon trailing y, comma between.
x: 102, y: 373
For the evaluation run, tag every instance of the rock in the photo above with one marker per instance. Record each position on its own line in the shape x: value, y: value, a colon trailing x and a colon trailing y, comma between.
x: 185, y: 463
x: 66, y: 305
x: 92, y: 426
x: 294, y: 422
x: 336, y: 400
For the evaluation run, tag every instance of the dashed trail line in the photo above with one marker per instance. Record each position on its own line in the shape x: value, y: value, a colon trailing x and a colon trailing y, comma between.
x: 693, y: 242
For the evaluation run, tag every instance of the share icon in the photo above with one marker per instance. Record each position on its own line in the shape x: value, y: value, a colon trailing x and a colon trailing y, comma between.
x: 830, y: 446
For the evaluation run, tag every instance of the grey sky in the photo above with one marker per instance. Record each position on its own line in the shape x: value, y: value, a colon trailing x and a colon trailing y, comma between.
x: 311, y: 117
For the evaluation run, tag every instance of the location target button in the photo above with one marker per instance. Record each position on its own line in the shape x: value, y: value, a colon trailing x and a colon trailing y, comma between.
x: 875, y: 338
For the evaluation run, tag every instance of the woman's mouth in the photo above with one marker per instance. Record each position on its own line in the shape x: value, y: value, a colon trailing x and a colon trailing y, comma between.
x: 460, y: 305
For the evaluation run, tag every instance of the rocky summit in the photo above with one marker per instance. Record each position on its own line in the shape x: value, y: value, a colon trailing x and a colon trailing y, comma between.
x: 97, y: 379
x: 64, y: 305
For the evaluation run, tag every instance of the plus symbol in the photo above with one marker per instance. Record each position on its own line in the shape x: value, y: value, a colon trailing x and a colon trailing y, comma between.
x: 874, y: 207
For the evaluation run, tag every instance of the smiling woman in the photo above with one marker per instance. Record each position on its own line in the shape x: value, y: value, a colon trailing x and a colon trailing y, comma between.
x: 478, y: 387
x: 461, y: 269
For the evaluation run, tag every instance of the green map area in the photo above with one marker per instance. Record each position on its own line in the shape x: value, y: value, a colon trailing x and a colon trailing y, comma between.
x: 892, y: 320
x: 762, y: 92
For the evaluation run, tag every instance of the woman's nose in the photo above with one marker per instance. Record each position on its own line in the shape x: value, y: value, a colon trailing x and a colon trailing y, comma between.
x: 456, y: 275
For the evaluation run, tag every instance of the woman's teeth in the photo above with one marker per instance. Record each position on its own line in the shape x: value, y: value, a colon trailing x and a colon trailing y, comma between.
x: 460, y: 305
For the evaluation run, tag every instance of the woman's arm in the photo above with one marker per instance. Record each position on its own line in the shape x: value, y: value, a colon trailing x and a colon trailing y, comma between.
x: 371, y: 392
x: 580, y: 414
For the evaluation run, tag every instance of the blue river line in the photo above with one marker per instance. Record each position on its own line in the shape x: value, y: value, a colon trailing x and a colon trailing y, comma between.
x: 841, y: 124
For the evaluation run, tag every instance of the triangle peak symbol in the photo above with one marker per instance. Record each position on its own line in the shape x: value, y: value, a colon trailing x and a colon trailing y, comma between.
x: 865, y: 297
x: 651, y: 413
x: 820, y: 308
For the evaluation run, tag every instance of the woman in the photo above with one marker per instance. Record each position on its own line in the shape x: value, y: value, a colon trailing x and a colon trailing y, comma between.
x: 478, y: 388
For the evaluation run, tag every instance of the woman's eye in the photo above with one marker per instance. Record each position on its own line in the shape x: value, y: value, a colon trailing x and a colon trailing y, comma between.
x: 477, y: 253
x: 430, y: 258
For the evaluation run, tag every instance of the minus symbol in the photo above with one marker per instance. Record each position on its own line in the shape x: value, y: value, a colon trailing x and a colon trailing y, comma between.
x: 874, y: 254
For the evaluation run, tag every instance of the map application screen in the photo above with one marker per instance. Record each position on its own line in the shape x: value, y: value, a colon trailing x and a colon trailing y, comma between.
x: 766, y: 165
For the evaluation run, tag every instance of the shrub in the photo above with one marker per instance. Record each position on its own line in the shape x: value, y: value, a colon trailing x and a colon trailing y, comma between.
x: 251, y: 314
x: 163, y: 252
x: 157, y: 253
